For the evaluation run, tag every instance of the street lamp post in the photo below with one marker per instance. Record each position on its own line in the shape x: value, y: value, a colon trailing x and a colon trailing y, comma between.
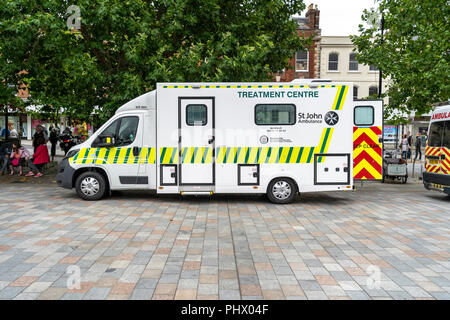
x: 381, y: 76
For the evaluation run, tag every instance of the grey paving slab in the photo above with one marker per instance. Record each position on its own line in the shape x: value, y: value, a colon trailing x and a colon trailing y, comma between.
x: 140, y: 246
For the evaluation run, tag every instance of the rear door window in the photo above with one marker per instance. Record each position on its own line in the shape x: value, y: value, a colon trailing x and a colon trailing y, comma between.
x: 436, y: 131
x: 446, y: 138
x: 364, y: 115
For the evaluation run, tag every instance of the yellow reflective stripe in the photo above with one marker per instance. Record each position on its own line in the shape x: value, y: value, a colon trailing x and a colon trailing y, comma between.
x: 131, y: 157
x: 188, y: 155
x: 241, y: 156
x: 305, y: 155
x: 329, y: 140
x: 263, y: 154
x: 208, y: 158
x: 220, y: 154
x: 284, y: 154
x: 82, y: 155
x: 294, y: 155
x: 337, y: 97
x: 274, y: 155
x: 101, y: 156
x: 143, y: 156
x: 120, y: 155
x: 252, y: 156
x: 343, y: 98
x: 112, y: 155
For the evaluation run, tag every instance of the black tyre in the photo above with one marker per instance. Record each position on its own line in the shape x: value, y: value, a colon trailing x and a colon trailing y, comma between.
x: 282, y: 190
x: 91, y: 186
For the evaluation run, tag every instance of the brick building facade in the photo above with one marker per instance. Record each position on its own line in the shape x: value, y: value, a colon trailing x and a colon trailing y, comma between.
x: 305, y: 64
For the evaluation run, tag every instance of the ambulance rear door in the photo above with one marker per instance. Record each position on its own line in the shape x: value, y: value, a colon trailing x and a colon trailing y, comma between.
x: 368, y: 140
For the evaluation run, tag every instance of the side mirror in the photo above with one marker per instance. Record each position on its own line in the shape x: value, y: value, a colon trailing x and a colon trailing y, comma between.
x: 105, y: 141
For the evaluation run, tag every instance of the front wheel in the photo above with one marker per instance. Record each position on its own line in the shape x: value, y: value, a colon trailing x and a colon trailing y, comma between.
x: 281, y: 190
x: 91, y: 185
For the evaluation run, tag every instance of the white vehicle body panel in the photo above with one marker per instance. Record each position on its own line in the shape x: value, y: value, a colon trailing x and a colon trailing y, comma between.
x: 230, y: 152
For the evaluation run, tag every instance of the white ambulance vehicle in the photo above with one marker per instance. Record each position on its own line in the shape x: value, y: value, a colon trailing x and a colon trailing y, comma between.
x: 278, y: 139
x: 437, y: 152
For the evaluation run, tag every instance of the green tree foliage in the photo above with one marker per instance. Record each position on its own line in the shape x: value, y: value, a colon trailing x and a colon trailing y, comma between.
x: 414, y: 53
x: 124, y: 47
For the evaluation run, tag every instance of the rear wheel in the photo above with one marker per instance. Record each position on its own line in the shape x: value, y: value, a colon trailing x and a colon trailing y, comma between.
x: 282, y: 190
x: 91, y: 185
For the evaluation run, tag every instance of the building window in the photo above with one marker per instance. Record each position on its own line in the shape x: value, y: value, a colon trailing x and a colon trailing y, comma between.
x: 373, y: 90
x: 373, y: 68
x: 196, y: 115
x: 353, y: 63
x: 301, y: 60
x: 333, y: 61
x: 275, y: 114
x: 355, y: 92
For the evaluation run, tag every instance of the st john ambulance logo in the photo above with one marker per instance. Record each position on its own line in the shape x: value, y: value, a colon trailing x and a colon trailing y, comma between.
x: 331, y: 118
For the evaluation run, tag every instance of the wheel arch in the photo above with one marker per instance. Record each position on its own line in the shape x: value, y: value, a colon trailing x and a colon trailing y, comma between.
x: 99, y: 170
x: 283, y: 175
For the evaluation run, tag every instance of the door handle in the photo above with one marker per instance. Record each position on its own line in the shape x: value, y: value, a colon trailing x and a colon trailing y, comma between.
x: 442, y: 156
x: 211, y: 140
x: 135, y: 151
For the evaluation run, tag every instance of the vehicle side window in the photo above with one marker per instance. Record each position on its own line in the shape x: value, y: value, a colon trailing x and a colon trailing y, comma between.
x: 446, y: 139
x: 364, y: 116
x: 435, y: 137
x: 275, y: 114
x: 127, y: 131
x: 111, y: 129
x: 123, y: 130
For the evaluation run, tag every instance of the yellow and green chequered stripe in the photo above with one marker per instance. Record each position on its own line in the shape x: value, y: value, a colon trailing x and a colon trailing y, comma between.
x: 248, y: 155
x: 113, y: 156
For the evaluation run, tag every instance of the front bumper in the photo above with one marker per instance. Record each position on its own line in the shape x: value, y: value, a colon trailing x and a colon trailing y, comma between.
x: 64, y: 177
x: 438, y: 182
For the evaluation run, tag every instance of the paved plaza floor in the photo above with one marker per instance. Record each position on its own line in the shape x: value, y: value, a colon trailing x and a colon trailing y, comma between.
x: 381, y: 241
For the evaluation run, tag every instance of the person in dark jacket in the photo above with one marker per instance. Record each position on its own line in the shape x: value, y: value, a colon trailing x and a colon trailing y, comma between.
x: 410, y: 138
x: 5, y: 151
x: 40, y: 133
x: 53, y: 140
x: 418, y: 145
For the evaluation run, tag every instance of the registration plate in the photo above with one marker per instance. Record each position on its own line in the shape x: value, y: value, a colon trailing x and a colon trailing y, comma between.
x: 433, y: 161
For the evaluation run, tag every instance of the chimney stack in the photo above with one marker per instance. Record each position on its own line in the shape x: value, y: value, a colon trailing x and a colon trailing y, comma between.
x: 312, y: 15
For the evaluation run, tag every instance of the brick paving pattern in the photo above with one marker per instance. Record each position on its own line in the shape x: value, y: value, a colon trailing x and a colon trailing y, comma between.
x: 138, y: 246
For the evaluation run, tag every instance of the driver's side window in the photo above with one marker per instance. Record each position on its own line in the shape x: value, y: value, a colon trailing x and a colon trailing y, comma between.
x: 123, y: 131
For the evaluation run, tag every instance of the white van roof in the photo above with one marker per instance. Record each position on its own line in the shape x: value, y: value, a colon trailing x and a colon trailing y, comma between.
x: 441, y: 113
x: 147, y: 101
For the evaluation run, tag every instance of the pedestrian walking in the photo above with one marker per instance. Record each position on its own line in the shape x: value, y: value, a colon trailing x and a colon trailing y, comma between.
x: 404, y: 147
x: 409, y: 144
x: 418, y: 145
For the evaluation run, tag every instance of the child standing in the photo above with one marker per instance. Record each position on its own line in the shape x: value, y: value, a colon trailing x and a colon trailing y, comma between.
x: 18, y: 157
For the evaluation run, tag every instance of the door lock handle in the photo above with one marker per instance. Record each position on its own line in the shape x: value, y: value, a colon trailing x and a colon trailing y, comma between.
x: 442, y: 156
x: 211, y: 140
x: 135, y: 151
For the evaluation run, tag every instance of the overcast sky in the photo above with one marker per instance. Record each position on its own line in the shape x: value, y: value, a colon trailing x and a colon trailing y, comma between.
x: 340, y: 17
